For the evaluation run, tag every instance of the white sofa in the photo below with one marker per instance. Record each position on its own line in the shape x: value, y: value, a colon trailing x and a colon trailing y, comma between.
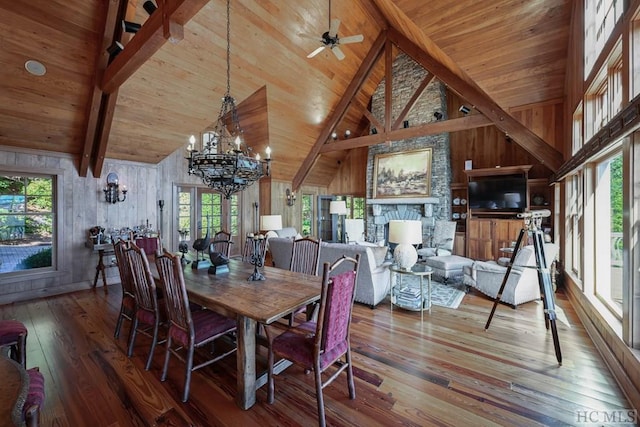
x: 373, y: 271
x: 522, y: 285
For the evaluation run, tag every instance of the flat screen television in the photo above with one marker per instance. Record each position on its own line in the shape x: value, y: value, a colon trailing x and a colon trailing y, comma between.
x: 504, y: 193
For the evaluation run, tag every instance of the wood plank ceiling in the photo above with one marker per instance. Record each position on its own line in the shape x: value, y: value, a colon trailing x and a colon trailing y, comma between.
x: 508, y: 53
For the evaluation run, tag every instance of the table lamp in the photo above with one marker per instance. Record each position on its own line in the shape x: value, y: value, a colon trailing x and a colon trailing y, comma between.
x: 405, y: 234
x: 338, y: 207
x: 270, y: 222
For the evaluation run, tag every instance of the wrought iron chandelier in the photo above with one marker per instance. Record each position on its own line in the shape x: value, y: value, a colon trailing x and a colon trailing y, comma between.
x: 224, y: 161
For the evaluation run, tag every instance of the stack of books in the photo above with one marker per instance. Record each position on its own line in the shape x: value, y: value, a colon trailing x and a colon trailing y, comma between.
x: 408, y: 297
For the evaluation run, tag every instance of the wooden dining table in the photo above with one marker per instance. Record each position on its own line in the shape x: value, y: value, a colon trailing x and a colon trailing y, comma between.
x: 250, y: 302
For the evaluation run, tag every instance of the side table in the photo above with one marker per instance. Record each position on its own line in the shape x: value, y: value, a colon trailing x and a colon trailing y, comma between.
x: 410, y: 296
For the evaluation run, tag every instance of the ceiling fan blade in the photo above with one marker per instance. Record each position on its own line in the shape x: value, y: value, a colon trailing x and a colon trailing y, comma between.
x: 337, y: 52
x: 352, y: 39
x: 315, y: 52
x: 333, y: 28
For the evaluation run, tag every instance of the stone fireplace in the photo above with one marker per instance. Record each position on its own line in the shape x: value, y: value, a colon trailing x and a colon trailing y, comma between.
x: 407, y: 76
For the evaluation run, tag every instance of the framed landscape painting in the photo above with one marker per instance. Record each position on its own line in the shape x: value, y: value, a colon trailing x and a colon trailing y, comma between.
x: 404, y: 174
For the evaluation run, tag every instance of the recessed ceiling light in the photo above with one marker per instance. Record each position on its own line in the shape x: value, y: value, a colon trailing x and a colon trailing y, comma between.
x: 35, y: 67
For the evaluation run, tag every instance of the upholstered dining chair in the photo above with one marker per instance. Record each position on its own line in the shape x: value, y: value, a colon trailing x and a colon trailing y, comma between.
x: 35, y: 398
x: 320, y: 345
x: 127, y: 305
x: 13, y: 336
x: 221, y: 243
x: 187, y: 329
x: 305, y: 259
x: 147, y: 314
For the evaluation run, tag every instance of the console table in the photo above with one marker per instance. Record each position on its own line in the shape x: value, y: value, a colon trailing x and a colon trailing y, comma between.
x: 102, y: 249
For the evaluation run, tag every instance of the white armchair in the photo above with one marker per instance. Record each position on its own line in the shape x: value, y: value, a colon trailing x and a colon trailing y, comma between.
x: 522, y: 285
x: 444, y: 233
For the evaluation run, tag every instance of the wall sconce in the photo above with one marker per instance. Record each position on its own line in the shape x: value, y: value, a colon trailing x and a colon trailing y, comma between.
x: 130, y: 27
x: 437, y: 115
x: 149, y: 7
x: 405, y: 124
x: 374, y: 131
x: 291, y: 197
x: 464, y: 109
x: 112, y: 190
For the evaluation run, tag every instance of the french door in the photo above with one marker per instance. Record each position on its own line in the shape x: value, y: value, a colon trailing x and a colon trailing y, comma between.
x: 203, y: 212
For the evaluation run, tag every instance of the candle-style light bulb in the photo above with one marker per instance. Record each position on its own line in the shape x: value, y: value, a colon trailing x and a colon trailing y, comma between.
x: 192, y: 143
x: 238, y: 142
x: 268, y: 150
x: 258, y: 156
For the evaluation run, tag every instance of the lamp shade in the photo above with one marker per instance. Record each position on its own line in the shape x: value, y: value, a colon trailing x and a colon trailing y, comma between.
x: 271, y: 222
x: 401, y: 231
x: 338, y: 207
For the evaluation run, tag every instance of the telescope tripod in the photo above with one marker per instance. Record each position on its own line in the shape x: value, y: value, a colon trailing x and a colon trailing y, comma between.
x: 532, y: 229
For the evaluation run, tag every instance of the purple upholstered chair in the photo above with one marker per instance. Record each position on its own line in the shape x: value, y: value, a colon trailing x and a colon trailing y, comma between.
x: 188, y: 329
x: 13, y: 334
x: 319, y: 345
x: 35, y: 398
x: 127, y: 306
x: 147, y: 313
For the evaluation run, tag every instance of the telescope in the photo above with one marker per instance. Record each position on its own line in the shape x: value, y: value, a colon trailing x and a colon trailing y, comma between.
x: 542, y: 213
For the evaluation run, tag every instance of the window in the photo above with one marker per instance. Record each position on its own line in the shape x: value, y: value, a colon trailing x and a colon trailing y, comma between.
x: 577, y: 140
x: 307, y: 214
x: 356, y: 206
x: 574, y: 205
x: 210, y: 212
x: 27, y: 220
x: 608, y: 233
x: 600, y: 18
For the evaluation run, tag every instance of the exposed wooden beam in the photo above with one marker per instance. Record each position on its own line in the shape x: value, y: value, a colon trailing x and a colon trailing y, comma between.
x: 372, y: 119
x: 388, y: 85
x: 335, y: 117
x: 95, y: 99
x: 523, y: 136
x: 423, y: 85
x: 108, y: 108
x: 433, y: 128
x: 164, y: 24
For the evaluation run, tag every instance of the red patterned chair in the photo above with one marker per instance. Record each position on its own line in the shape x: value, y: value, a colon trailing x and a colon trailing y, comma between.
x: 13, y: 335
x: 320, y: 345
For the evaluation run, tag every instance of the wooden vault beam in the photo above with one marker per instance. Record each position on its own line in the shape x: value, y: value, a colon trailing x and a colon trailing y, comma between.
x: 340, y: 110
x: 165, y: 24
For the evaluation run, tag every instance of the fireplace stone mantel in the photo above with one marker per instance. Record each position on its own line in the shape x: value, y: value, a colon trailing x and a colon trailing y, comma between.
x: 405, y: 201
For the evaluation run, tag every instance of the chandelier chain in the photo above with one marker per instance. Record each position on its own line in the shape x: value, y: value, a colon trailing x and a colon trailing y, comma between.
x: 228, y: 48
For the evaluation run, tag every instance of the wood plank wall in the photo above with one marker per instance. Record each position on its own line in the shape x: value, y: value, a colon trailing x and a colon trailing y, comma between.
x: 488, y: 147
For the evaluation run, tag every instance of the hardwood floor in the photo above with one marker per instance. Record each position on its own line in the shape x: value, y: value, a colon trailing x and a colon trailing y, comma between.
x: 446, y: 371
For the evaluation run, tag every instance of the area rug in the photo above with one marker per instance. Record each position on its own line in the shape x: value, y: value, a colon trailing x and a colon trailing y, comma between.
x: 449, y: 295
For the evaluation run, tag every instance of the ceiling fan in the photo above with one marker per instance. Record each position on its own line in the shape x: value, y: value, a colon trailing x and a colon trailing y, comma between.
x: 331, y: 40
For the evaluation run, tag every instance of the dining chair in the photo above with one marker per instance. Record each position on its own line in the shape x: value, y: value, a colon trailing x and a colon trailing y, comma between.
x: 13, y: 336
x: 187, y: 329
x: 305, y: 259
x: 221, y: 243
x: 127, y: 305
x: 35, y: 398
x: 147, y: 314
x: 319, y: 345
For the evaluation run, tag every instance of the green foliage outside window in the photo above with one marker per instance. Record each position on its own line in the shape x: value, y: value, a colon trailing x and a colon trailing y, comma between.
x: 616, y: 194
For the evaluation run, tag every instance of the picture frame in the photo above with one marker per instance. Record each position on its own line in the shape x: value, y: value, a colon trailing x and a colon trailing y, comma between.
x: 403, y: 174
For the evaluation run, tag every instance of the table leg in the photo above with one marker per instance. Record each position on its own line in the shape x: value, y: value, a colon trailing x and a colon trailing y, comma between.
x: 100, y: 269
x: 246, y: 362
